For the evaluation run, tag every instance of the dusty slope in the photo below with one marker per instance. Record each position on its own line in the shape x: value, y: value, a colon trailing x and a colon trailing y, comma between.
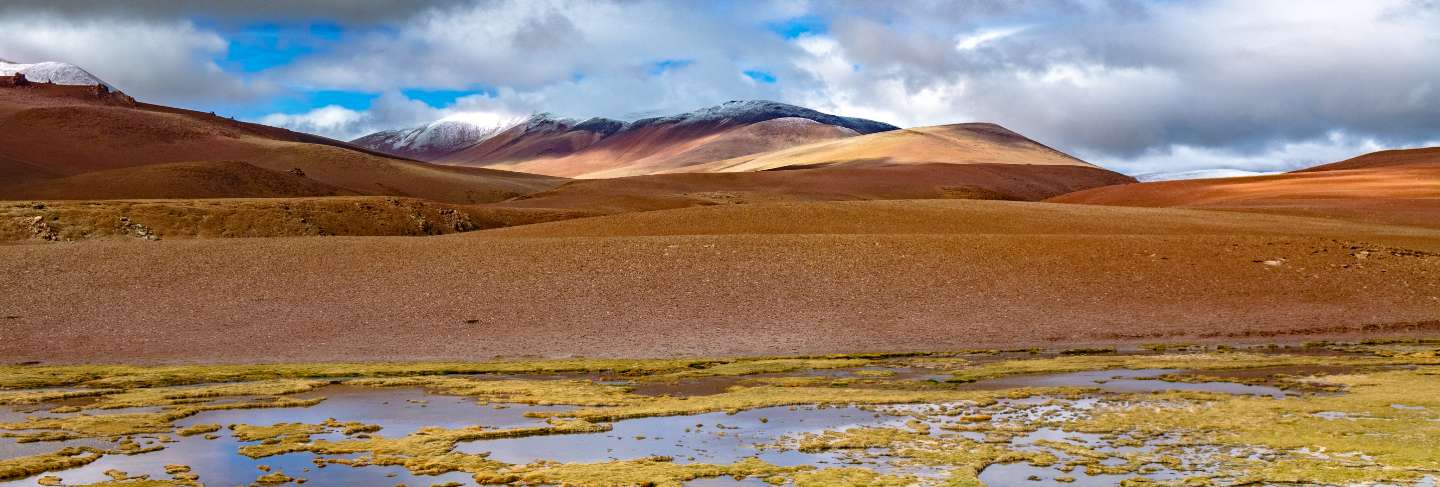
x: 65, y: 133
x: 205, y: 179
x: 919, y: 181
x: 35, y: 221
x: 599, y: 147
x: 790, y: 279
x: 1386, y: 158
x: 664, y: 148
x: 1399, y: 187
x: 967, y: 143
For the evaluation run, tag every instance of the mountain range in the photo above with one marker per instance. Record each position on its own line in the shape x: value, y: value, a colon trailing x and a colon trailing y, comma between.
x: 602, y: 147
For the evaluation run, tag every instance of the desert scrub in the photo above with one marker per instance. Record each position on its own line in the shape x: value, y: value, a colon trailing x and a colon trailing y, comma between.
x: 1387, y: 430
x: 534, y: 392
x: 1193, y: 361
x: 65, y: 458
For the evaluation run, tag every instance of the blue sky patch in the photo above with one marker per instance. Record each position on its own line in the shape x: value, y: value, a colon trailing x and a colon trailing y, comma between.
x: 760, y: 76
x: 665, y: 66
x: 258, y: 47
x: 442, y: 98
x: 799, y: 26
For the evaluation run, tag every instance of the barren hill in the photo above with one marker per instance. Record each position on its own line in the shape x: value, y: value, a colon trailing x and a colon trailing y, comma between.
x: 601, y: 147
x: 968, y: 143
x: 49, y: 132
x: 1399, y: 186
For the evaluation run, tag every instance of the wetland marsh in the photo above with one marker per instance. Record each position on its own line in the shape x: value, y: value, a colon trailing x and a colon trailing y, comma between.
x: 1321, y: 414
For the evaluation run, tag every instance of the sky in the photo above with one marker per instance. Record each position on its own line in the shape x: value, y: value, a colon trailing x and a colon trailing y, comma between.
x: 1149, y: 88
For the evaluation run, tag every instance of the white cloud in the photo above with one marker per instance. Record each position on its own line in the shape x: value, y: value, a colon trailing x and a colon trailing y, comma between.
x: 1182, y: 161
x: 392, y: 110
x: 1263, y: 86
x: 158, y: 61
x: 973, y: 40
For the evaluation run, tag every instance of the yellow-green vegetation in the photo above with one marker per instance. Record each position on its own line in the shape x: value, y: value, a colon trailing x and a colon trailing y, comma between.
x: 538, y: 392
x: 144, y: 483
x: 1379, y: 422
x: 1189, y: 361
x: 426, y: 442
x: 69, y: 457
x: 274, y: 478
x: 37, y: 397
x: 134, y: 376
x: 761, y: 366
x: 351, y: 427
x: 743, y: 398
x: 169, y: 396
x: 245, y: 432
x: 198, y: 429
x: 963, y: 457
x: 850, y: 477
x: 110, y: 425
x: 1384, y: 427
x: 654, y: 471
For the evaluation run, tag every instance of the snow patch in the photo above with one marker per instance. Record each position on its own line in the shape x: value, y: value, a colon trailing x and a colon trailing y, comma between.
x: 53, y: 72
x: 452, y: 133
x: 1200, y: 174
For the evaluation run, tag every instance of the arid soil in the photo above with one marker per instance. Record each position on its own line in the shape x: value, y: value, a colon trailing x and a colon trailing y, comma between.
x: 726, y: 280
x: 917, y: 181
x: 51, y: 220
x: 1400, y: 187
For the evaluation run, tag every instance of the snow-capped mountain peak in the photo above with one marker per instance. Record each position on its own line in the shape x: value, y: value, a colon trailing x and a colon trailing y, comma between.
x: 449, y: 134
x: 53, y: 72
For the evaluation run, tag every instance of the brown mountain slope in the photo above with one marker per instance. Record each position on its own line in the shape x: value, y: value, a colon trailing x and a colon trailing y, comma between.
x: 662, y: 148
x: 1399, y: 187
x: 64, y: 133
x: 778, y: 279
x: 969, y: 143
x: 599, y: 147
x: 1385, y: 158
x: 207, y: 179
x: 917, y: 181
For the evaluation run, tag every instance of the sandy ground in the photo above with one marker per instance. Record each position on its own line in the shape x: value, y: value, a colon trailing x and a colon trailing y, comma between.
x: 983, y: 274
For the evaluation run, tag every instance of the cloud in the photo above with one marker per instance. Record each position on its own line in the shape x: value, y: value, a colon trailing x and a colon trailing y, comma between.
x: 1264, y: 85
x: 1139, y: 86
x: 534, y: 44
x: 158, y: 61
x: 1171, y: 161
x: 391, y: 110
x: 364, y: 11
